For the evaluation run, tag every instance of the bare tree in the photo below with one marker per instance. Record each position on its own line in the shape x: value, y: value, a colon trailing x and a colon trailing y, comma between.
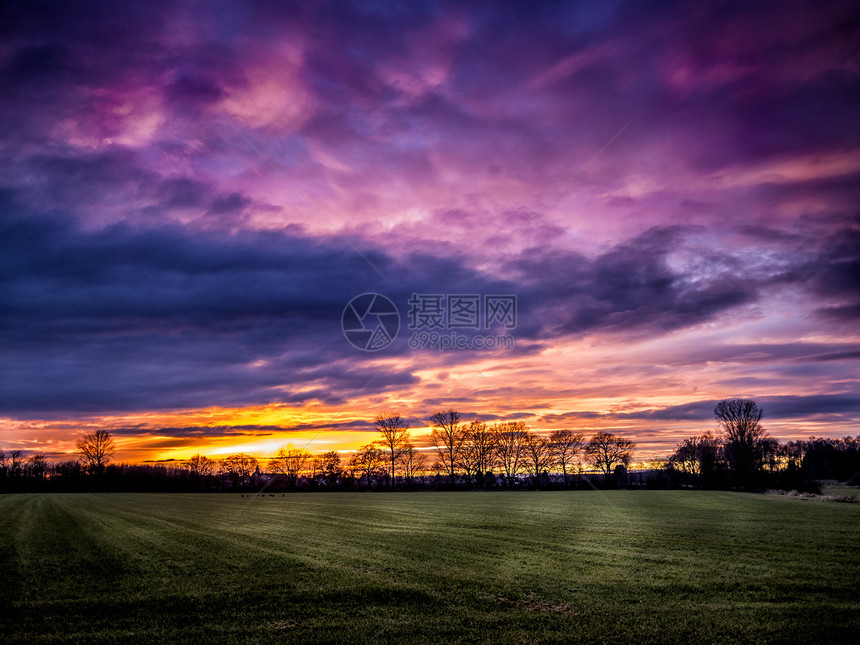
x: 394, y: 433
x: 199, y: 465
x: 510, y: 437
x: 12, y: 463
x: 566, y: 446
x: 466, y: 465
x: 239, y: 467
x: 70, y: 470
x: 368, y: 460
x: 330, y: 466
x: 413, y: 462
x: 477, y: 454
x: 290, y: 462
x: 447, y: 437
x: 698, y: 457
x: 313, y: 468
x: 37, y: 466
x: 605, y: 450
x: 685, y: 459
x: 96, y: 449
x: 537, y: 455
x: 438, y: 467
x: 771, y: 453
x: 742, y: 436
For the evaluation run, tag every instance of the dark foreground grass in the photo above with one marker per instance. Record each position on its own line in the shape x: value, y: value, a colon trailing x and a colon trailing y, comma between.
x: 617, y: 566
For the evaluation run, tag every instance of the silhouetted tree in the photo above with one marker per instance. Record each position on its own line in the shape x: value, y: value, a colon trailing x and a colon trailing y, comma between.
x: 537, y: 455
x: 368, y: 460
x: 699, y: 458
x: 68, y: 474
x: 290, y: 462
x: 199, y: 466
x: 742, y: 437
x: 330, y: 466
x: 447, y: 437
x: 829, y: 458
x: 438, y: 467
x: 477, y: 454
x: 96, y: 448
x: 605, y: 450
x: 314, y: 469
x: 15, y: 461
x: 413, y: 462
x: 394, y: 433
x: 566, y: 446
x: 239, y: 468
x: 510, y: 437
x: 771, y: 454
x: 12, y: 470
x: 794, y: 452
x: 37, y: 467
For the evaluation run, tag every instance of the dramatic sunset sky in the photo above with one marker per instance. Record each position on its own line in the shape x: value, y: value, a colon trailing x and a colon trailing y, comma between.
x: 192, y: 192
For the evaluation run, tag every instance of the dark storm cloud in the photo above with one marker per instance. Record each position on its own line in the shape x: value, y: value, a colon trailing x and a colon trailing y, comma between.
x: 112, y: 299
x: 209, y: 432
x: 630, y: 287
x: 124, y: 319
x: 824, y: 262
x: 121, y: 318
x: 201, y: 431
x: 797, y: 352
x: 602, y: 62
x: 57, y: 57
x: 836, y: 273
x: 787, y: 407
x: 775, y: 407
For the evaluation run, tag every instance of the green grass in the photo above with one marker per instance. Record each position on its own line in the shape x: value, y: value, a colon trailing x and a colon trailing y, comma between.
x: 649, y: 566
x: 841, y: 490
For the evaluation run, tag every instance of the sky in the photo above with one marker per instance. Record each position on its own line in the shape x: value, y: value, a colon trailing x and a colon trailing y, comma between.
x: 192, y: 193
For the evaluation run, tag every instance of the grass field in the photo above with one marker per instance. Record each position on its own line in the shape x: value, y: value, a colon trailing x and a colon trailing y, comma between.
x: 495, y: 567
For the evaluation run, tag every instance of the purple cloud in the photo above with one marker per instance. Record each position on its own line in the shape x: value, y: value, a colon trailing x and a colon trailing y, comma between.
x: 189, y: 198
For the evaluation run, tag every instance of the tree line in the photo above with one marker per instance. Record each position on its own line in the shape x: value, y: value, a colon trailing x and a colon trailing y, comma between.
x: 465, y: 455
x: 461, y: 455
x: 744, y: 456
x: 477, y: 454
